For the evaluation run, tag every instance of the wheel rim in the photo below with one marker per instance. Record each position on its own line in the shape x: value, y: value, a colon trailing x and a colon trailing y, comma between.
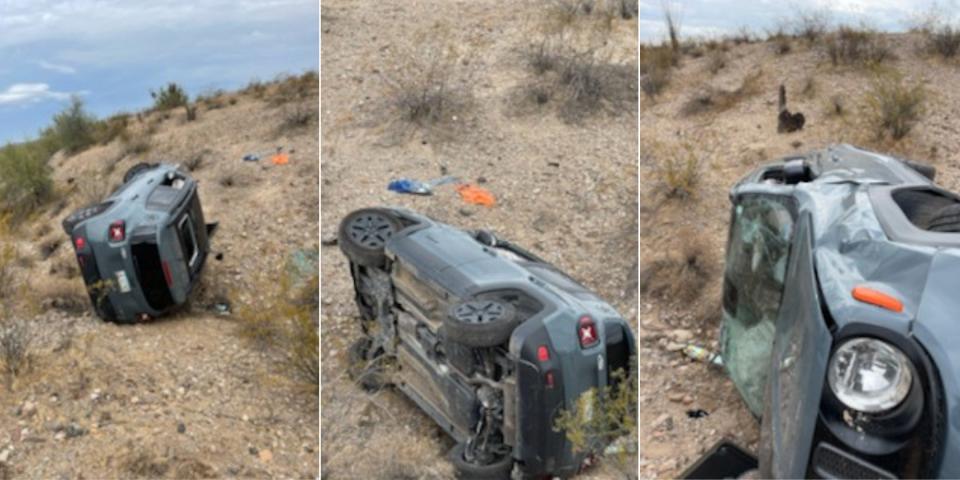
x: 370, y: 231
x: 479, y: 312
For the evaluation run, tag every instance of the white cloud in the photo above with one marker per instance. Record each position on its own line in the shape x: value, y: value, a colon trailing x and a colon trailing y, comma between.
x: 20, y: 93
x: 53, y: 67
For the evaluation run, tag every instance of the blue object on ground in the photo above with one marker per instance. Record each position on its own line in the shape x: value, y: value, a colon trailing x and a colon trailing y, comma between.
x: 406, y: 185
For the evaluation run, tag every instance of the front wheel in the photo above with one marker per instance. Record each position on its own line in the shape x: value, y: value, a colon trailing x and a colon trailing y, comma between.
x: 499, y: 469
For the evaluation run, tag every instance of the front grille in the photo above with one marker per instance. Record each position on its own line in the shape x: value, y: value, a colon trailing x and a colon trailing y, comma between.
x: 831, y: 462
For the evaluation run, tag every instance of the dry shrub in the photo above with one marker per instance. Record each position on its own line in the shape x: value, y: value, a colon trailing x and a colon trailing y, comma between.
x: 655, y: 68
x: 295, y: 88
x: 716, y: 62
x: 894, y: 106
x: 811, y: 25
x: 578, y: 83
x: 16, y: 338
x: 256, y: 89
x: 431, y: 88
x: 743, y: 36
x: 144, y: 465
x: 91, y: 189
x: 679, y: 170
x: 137, y: 143
x: 809, y: 88
x: 61, y: 294
x: 852, y: 46
x: 712, y: 99
x: 299, y: 116
x: 835, y: 106
x: 682, y: 273
x: 112, y: 128
x: 943, y: 40
x: 285, y: 319
x: 191, y: 111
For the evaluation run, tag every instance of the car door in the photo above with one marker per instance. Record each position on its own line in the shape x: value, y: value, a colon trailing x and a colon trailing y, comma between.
x: 758, y: 251
x: 797, y: 366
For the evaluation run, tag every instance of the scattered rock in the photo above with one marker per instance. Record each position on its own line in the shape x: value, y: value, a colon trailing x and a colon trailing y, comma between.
x: 266, y: 456
x: 329, y: 240
x: 676, y: 397
x: 29, y: 408
x: 181, y: 428
x: 73, y: 430
x: 681, y: 335
x: 663, y: 422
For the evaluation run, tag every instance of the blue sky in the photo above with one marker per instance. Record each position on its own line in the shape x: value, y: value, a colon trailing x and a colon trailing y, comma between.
x: 112, y: 52
x: 707, y: 18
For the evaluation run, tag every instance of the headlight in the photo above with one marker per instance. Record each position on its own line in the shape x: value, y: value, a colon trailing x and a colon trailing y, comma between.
x: 869, y: 375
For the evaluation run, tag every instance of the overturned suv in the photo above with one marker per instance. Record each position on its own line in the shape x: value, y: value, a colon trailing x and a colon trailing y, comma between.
x: 489, y: 340
x: 141, y: 250
x: 840, y: 325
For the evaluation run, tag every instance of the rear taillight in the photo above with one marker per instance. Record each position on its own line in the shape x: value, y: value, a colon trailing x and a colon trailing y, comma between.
x: 166, y: 274
x: 543, y: 353
x: 587, y: 332
x: 79, y: 243
x: 118, y: 231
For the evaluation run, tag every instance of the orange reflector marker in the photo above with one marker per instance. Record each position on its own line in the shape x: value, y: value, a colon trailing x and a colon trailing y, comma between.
x: 880, y: 299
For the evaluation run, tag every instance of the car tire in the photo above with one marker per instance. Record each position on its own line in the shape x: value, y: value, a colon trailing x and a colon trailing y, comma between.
x: 945, y: 220
x: 137, y: 170
x: 363, y: 234
x: 360, y: 369
x: 481, y: 322
x: 499, y: 470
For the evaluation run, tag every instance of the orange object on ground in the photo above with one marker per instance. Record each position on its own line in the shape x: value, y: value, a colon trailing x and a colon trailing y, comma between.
x: 476, y: 195
x: 880, y: 299
x: 280, y: 159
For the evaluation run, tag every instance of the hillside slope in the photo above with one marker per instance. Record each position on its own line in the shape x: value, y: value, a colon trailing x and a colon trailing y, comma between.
x: 692, y: 231
x: 186, y: 396
x: 566, y: 191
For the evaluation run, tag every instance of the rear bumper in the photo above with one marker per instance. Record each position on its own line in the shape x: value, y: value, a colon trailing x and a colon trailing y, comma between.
x: 541, y: 448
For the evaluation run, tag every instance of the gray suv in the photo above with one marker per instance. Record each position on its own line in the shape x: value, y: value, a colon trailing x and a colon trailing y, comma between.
x: 141, y: 250
x: 488, y: 339
x: 840, y: 316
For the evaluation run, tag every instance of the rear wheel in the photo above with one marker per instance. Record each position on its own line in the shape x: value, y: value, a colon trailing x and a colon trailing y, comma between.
x: 481, y: 322
x: 470, y: 469
x: 364, y: 233
x: 945, y: 220
x: 137, y: 170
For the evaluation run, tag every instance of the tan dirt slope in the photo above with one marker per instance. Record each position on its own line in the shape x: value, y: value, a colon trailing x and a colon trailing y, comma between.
x: 567, y: 192
x: 184, y: 396
x: 729, y: 144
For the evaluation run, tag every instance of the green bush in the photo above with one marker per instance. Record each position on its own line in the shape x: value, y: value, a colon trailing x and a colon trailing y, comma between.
x: 171, y: 96
x: 894, y: 106
x: 25, y: 181
x: 74, y: 128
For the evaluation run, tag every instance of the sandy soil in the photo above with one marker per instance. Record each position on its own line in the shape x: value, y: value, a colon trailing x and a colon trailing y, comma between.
x: 730, y: 144
x: 184, y: 396
x: 566, y: 191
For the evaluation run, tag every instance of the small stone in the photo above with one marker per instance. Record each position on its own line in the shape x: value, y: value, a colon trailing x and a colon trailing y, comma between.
x: 676, y: 397
x: 674, y: 347
x: 60, y: 436
x: 253, y: 450
x: 466, y: 212
x: 181, y: 428
x: 329, y: 240
x: 681, y: 335
x: 265, y: 456
x: 663, y: 422
x: 73, y: 430
x: 5, y: 455
x: 688, y: 399
x: 29, y: 408
x: 245, y: 418
x: 135, y: 400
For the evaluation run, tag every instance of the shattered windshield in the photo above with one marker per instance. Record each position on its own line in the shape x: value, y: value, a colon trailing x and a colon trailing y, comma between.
x: 757, y: 256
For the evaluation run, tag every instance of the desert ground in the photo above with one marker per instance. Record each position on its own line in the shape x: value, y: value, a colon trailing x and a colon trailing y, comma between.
x: 725, y: 120
x: 187, y: 396
x: 563, y: 173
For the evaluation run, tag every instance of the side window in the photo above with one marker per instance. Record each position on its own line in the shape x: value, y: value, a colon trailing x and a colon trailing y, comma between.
x: 188, y: 240
x: 758, y: 252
